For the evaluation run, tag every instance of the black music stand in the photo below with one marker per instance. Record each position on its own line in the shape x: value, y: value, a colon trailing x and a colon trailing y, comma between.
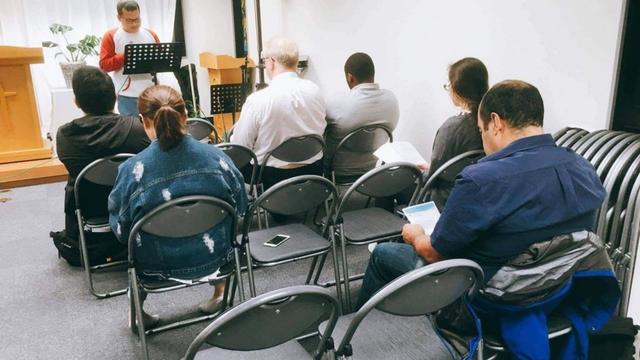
x: 151, y: 59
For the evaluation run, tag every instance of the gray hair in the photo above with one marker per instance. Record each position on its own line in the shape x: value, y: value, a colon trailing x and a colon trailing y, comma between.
x: 283, y: 50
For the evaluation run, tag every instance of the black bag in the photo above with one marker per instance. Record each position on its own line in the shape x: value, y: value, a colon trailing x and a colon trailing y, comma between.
x: 102, y: 247
x: 614, y: 341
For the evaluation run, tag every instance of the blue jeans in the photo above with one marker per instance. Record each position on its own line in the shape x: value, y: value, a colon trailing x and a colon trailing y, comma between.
x: 128, y: 105
x: 387, y: 262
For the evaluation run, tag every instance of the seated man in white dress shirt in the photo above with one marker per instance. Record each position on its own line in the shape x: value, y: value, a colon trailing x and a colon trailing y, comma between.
x: 288, y: 107
x: 365, y: 104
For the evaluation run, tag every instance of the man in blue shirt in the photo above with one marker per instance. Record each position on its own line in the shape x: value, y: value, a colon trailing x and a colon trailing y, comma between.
x: 526, y: 190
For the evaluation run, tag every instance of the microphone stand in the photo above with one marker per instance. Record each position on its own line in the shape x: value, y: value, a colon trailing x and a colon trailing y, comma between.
x: 261, y: 84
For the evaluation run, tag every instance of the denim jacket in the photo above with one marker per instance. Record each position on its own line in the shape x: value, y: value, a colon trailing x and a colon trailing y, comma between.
x: 155, y: 176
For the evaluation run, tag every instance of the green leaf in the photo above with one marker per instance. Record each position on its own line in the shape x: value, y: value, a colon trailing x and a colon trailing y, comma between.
x: 59, y: 28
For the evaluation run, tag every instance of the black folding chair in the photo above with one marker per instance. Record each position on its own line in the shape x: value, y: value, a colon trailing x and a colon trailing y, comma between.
x: 399, y: 308
x: 370, y: 224
x: 364, y: 140
x: 300, y: 194
x: 294, y: 150
x: 182, y: 217
x: 265, y: 327
x: 100, y: 172
x: 200, y: 129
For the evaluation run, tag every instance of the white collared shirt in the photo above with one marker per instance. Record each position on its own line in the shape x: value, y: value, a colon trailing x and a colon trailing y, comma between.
x: 288, y: 107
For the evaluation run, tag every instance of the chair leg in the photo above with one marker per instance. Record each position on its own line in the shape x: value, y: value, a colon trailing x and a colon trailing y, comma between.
x: 312, y: 270
x: 236, y: 254
x: 336, y: 271
x: 232, y: 297
x: 84, y: 253
x: 252, y: 284
x: 320, y: 268
x: 345, y: 267
x: 138, y: 307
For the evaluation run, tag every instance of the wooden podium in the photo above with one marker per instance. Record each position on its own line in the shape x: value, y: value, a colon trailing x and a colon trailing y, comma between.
x: 20, y: 136
x: 225, y: 73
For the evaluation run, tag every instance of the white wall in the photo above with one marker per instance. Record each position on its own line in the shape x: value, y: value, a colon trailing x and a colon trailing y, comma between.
x: 208, y: 26
x: 565, y: 48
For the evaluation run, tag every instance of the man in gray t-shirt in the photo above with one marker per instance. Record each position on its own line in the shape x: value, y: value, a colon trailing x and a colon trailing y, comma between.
x: 365, y: 104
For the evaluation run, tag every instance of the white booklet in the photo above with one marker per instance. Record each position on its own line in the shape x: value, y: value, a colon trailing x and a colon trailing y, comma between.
x: 399, y: 151
x: 425, y: 214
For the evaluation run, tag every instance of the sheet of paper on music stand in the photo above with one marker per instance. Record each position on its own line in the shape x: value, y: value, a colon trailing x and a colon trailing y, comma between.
x: 425, y: 214
x: 399, y: 151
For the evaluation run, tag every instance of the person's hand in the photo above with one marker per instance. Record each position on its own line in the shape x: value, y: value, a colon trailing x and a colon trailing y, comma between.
x: 423, y: 166
x: 412, y: 232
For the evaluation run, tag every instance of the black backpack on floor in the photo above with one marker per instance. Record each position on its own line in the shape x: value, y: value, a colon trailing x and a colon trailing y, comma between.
x: 102, y: 247
x: 614, y: 341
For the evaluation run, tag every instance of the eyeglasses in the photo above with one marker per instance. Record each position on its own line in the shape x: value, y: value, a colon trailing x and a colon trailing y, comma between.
x: 446, y: 87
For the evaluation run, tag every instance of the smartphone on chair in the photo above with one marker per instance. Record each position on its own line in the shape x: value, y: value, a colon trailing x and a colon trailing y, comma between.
x: 277, y: 240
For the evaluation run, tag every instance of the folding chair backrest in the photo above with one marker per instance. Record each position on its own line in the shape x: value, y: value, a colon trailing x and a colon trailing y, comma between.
x: 100, y: 172
x: 387, y: 180
x: 450, y: 170
x: 199, y: 128
x: 422, y: 291
x: 298, y: 149
x: 366, y: 139
x: 295, y: 195
x: 185, y: 216
x: 241, y: 157
x: 270, y: 320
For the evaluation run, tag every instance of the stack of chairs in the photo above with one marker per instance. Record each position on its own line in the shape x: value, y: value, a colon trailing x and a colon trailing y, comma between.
x: 616, y: 158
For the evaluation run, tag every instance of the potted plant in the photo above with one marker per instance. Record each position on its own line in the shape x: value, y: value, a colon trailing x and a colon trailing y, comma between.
x: 74, y: 53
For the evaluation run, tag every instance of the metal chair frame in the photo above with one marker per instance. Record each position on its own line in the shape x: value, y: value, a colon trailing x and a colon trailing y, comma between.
x: 194, y: 123
x: 306, y: 206
x: 369, y: 130
x: 146, y: 224
x: 110, y: 164
x: 296, y: 145
x: 275, y: 301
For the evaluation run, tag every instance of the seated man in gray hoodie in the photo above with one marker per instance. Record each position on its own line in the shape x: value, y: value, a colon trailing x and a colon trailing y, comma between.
x: 365, y: 104
x: 98, y: 134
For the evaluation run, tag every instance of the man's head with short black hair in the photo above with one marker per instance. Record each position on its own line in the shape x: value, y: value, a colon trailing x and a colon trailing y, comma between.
x: 94, y: 90
x: 518, y: 103
x: 127, y: 5
x: 509, y: 111
x: 361, y: 68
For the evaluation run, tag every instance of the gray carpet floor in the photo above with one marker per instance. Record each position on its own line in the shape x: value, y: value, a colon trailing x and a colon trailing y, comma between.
x: 46, y: 309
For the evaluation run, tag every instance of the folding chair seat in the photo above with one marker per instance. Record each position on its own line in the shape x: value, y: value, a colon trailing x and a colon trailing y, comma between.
x: 101, y: 172
x: 368, y: 224
x: 364, y: 140
x: 300, y: 194
x: 302, y: 242
x: 395, y: 323
x: 182, y: 217
x: 265, y: 327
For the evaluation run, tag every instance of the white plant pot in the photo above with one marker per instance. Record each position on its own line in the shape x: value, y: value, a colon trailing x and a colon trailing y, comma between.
x: 68, y: 69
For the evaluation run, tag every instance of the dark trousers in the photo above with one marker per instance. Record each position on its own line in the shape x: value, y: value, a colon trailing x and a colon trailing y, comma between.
x: 387, y: 262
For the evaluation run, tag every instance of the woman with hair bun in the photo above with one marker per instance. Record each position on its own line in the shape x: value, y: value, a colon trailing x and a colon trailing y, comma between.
x: 174, y: 165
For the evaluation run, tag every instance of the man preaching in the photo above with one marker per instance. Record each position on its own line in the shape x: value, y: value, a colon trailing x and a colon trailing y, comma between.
x: 128, y: 87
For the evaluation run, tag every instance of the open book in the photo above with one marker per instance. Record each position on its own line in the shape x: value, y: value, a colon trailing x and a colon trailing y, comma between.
x: 399, y: 151
x: 425, y: 214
